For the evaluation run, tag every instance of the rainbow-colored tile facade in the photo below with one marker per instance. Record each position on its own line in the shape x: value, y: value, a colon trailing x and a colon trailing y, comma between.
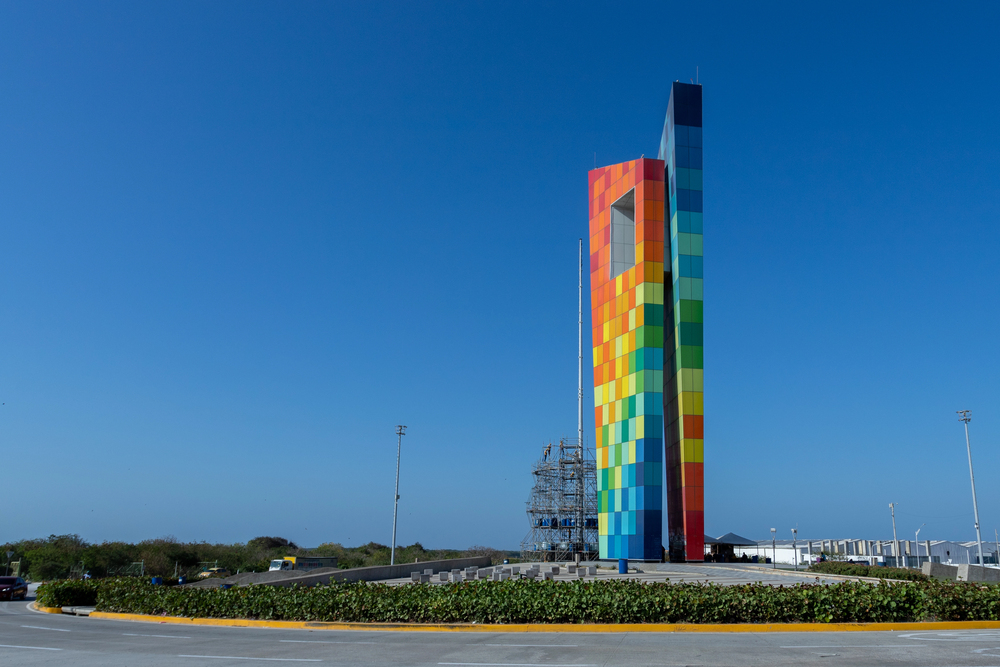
x: 648, y: 342
x: 627, y: 316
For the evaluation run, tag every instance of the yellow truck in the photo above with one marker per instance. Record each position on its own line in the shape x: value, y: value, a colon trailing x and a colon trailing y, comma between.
x: 301, y: 563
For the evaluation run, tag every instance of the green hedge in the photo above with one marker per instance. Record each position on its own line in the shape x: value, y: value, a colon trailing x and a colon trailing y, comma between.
x: 67, y: 593
x: 855, y: 570
x: 523, y: 601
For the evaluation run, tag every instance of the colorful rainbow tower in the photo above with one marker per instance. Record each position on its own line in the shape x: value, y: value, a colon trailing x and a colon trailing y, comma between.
x: 646, y: 307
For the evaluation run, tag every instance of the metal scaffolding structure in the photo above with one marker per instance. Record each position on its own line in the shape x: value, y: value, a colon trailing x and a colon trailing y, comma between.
x: 562, y: 507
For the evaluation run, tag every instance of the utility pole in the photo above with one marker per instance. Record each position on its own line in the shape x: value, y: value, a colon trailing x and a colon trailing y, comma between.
x: 965, y: 418
x: 400, y: 432
x: 916, y: 546
x: 774, y: 550
x: 895, y: 542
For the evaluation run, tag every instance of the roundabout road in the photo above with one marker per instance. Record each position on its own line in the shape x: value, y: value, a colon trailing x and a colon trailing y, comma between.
x: 33, y: 638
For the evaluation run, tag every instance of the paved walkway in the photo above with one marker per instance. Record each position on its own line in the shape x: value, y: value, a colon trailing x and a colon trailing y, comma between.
x: 716, y: 573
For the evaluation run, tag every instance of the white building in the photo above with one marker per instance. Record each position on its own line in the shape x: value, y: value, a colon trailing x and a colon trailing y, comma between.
x: 882, y: 552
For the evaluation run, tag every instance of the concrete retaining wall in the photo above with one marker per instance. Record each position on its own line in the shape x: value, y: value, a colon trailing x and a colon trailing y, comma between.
x: 380, y: 572
x: 940, y: 571
x: 977, y: 573
x: 964, y: 572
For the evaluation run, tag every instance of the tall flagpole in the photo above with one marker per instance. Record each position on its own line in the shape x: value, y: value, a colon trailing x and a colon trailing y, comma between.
x: 580, y: 484
x: 579, y: 375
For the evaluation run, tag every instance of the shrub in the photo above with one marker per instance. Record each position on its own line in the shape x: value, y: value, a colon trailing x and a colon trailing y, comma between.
x: 57, y: 556
x: 68, y: 593
x: 523, y: 601
x: 856, y: 570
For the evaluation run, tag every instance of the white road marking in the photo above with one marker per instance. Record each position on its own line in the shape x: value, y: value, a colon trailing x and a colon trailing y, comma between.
x: 240, y: 657
x: 36, y: 648
x: 530, y: 645
x: 40, y: 627
x: 860, y: 646
x: 128, y: 634
x: 511, y: 664
x: 951, y: 636
x: 308, y: 641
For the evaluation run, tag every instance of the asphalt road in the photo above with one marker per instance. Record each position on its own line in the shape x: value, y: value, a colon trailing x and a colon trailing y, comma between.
x: 31, y: 638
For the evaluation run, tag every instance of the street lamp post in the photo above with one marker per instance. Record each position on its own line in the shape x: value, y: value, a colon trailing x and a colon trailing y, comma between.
x: 895, y: 541
x: 795, y: 551
x: 774, y: 551
x: 9, y: 554
x: 916, y: 546
x: 965, y: 418
x: 400, y: 432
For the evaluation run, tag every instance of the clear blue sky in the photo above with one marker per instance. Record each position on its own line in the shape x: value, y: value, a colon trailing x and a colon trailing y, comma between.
x: 241, y: 241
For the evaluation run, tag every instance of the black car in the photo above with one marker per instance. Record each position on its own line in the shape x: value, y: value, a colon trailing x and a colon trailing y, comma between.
x: 12, y: 588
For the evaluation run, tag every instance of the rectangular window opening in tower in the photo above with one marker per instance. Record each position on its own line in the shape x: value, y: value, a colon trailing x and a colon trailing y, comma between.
x: 623, y: 234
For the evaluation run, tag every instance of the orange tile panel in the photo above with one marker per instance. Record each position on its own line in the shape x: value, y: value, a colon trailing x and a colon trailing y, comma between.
x: 695, y: 473
x: 690, y: 497
x: 653, y: 231
x: 640, y: 231
x: 694, y: 427
x: 654, y: 190
x: 652, y: 210
x: 649, y: 272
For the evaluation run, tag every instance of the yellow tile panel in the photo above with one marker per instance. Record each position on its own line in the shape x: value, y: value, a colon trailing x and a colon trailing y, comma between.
x: 692, y: 451
x: 690, y: 403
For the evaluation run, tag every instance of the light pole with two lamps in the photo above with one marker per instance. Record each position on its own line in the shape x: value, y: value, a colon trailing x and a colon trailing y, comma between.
x: 795, y: 551
x: 965, y: 418
x: 400, y: 432
x: 916, y: 546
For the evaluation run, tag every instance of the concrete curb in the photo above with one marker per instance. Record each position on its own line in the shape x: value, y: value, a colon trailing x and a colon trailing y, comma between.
x: 74, y: 611
x: 44, y: 610
x: 558, y: 627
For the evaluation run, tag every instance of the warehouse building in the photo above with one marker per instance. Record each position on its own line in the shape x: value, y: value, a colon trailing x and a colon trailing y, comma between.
x: 881, y: 552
